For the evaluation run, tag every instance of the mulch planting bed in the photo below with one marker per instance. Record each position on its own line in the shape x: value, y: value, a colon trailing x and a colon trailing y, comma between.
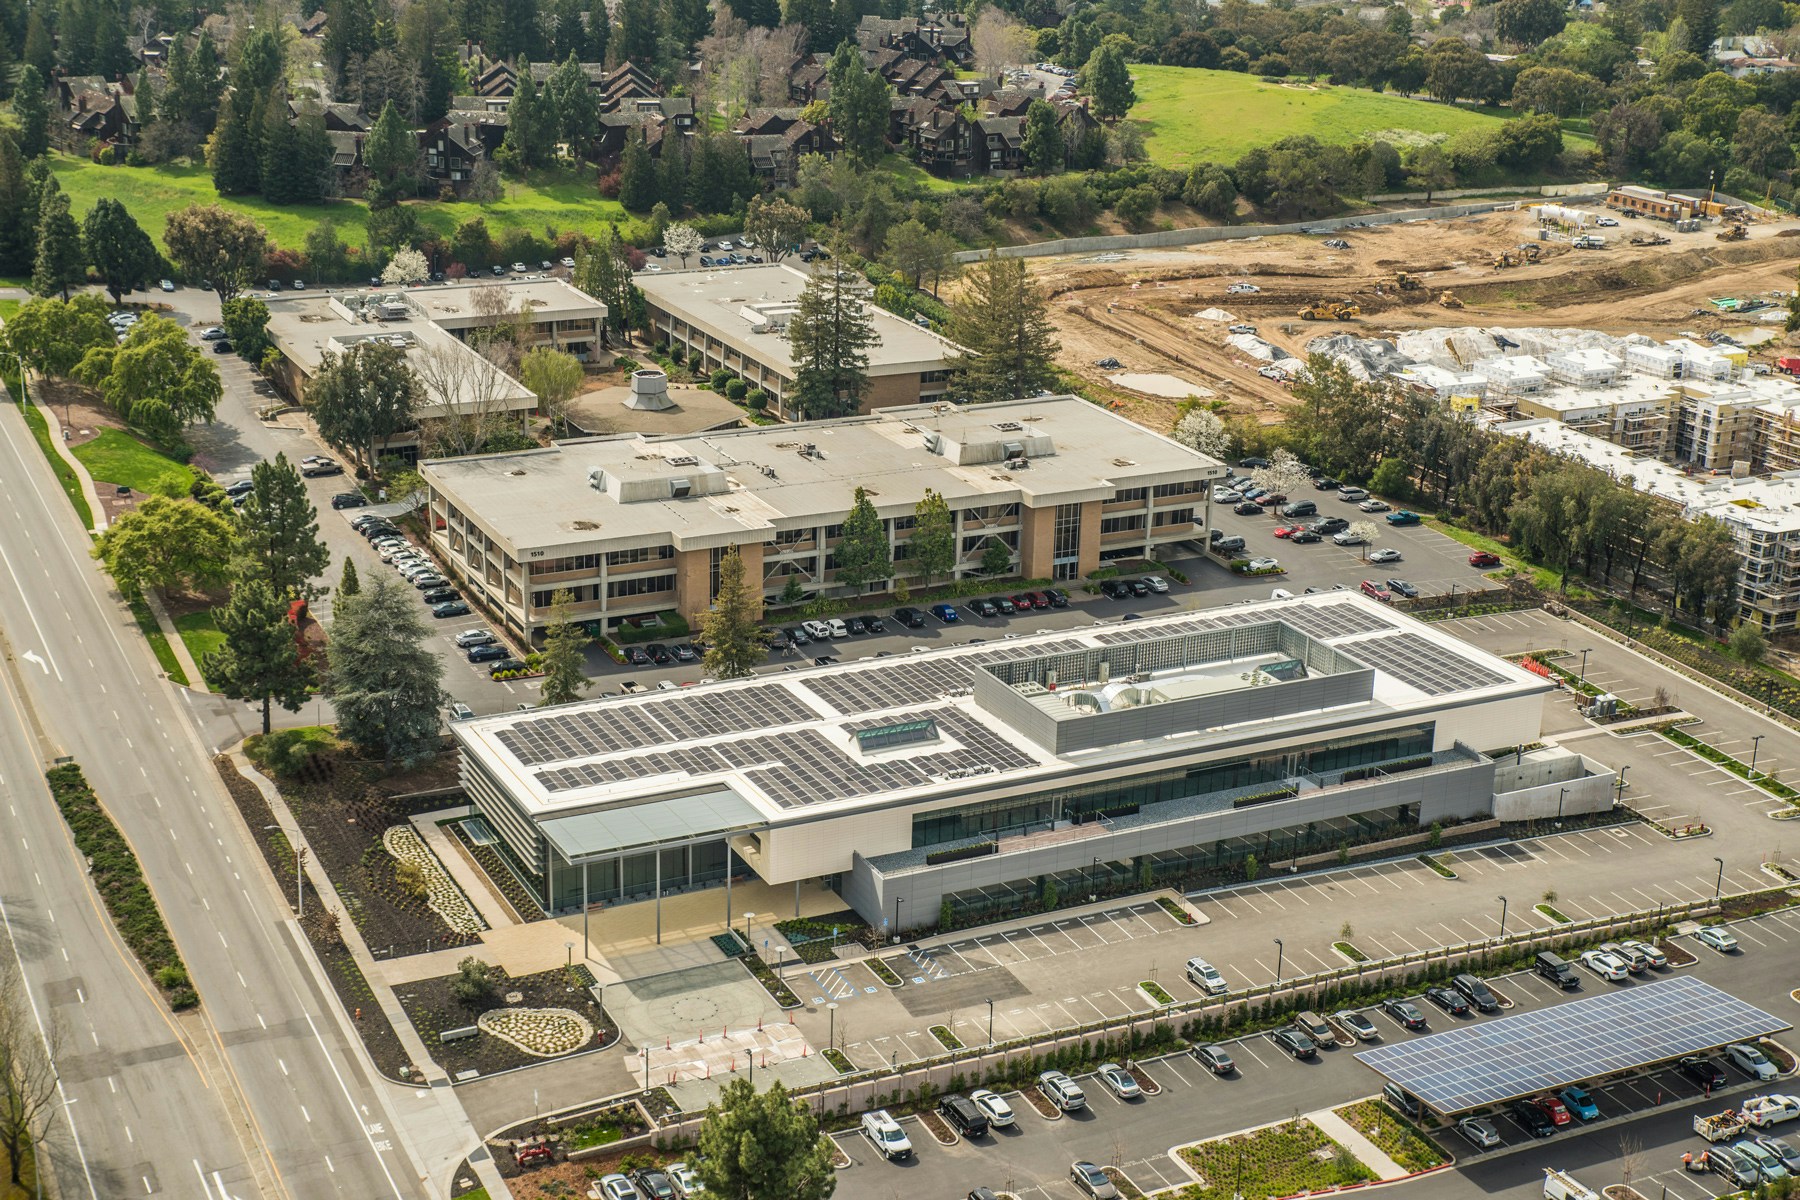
x: 433, y: 1008
x: 938, y: 1129
x: 1678, y: 955
x: 344, y: 807
x: 487, y: 859
x: 1039, y: 1101
x: 347, y: 980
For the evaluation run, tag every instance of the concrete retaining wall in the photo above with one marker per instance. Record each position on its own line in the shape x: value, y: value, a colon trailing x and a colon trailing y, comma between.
x: 1548, y: 189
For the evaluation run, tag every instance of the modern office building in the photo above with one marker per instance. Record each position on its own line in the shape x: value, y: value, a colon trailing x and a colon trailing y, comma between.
x: 634, y: 525
x: 432, y: 325
x: 1131, y: 752
x: 736, y: 318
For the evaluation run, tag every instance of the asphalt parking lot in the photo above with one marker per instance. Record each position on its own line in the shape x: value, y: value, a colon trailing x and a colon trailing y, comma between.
x: 1032, y: 1159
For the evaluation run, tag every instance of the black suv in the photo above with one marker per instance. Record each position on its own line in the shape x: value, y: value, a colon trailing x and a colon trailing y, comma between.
x: 1536, y: 1121
x: 1476, y: 993
x: 659, y: 653
x: 874, y: 625
x: 653, y: 1184
x: 1295, y: 1043
x: 1703, y: 1071
x: 912, y: 618
x: 1115, y: 589
x: 962, y: 1114
x: 1058, y: 598
x: 983, y: 608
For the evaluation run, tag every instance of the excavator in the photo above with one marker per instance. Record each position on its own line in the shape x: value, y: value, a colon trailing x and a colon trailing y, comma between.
x: 1330, y: 310
x: 1733, y: 233
x: 1449, y: 300
x: 1504, y: 259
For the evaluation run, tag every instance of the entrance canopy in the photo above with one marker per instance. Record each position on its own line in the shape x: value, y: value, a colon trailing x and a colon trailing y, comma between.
x: 606, y: 832
x: 1489, y: 1062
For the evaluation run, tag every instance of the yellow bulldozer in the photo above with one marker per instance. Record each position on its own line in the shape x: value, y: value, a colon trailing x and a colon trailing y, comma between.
x: 1330, y: 310
x: 1449, y: 300
x: 1504, y: 259
x: 1733, y: 233
x: 1406, y: 283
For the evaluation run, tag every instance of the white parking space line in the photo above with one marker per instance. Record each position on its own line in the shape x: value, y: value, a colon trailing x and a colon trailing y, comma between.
x: 1297, y: 891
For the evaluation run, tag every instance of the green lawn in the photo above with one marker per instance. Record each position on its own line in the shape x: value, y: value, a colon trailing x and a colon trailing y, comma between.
x: 8, y: 308
x: 65, y: 474
x: 118, y: 458
x: 200, y: 634
x: 159, y: 641
x: 1191, y: 115
x: 906, y: 171
x: 565, y: 200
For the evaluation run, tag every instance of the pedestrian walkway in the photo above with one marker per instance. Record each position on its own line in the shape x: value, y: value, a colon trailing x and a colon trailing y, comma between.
x: 455, y: 859
x: 1367, y: 1152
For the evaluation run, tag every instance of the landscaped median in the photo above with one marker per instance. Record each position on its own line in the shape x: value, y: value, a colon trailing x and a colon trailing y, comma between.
x: 1393, y: 1135
x: 1711, y: 754
x: 119, y: 878
x: 1283, y: 1159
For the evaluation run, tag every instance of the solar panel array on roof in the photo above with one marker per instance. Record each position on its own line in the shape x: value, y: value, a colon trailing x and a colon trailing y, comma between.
x: 1425, y: 665
x: 919, y: 680
x: 1492, y: 1061
x: 1318, y: 620
x: 582, y: 733
x: 803, y: 766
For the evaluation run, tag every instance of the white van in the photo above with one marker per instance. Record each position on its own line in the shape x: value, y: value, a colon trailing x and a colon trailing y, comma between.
x: 1281, y: 594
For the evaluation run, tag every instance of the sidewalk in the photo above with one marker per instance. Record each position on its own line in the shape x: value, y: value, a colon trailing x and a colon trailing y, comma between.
x: 437, y: 1132
x: 495, y: 911
x: 59, y: 441
x: 1367, y: 1152
x: 196, y: 681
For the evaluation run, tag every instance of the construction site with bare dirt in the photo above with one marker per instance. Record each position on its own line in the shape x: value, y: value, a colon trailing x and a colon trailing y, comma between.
x: 1231, y: 322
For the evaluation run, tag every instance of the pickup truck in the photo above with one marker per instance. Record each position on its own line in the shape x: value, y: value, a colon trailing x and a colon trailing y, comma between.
x: 1763, y: 1111
x: 1720, y: 1127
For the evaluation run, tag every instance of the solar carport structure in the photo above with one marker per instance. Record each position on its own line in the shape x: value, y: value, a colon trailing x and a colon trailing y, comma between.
x: 1490, y: 1062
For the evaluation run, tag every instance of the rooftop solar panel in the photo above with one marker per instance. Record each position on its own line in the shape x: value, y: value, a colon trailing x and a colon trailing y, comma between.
x: 1493, y: 1061
x: 1425, y: 665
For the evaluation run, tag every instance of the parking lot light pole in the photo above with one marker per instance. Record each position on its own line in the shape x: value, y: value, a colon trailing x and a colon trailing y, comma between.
x: 749, y: 946
x: 1280, y: 951
x: 831, y: 1036
x: 1581, y: 683
x: 898, y: 901
x: 990, y: 1005
x: 1619, y: 786
x: 1719, y: 887
x: 1755, y: 745
x: 1561, y: 796
x: 1502, y: 900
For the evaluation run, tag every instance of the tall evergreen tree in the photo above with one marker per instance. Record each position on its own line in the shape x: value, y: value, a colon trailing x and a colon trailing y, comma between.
x: 672, y: 175
x: 1042, y: 145
x: 863, y: 553
x: 830, y: 333
x: 75, y: 29
x: 40, y: 44
x: 121, y: 251
x: 349, y: 34
x: 568, y: 30
x: 564, y: 677
x: 236, y: 168
x: 313, y: 152
x: 639, y: 188
x: 858, y: 104
x: 31, y: 108
x: 764, y: 14
x: 530, y: 127
x: 385, y: 681
x: 143, y: 96
x: 1003, y: 322
x: 689, y: 21
x: 933, y: 539
x: 260, y: 659
x: 599, y: 31
x: 732, y: 627
x: 577, y: 113
x: 519, y: 34
x: 278, y: 166
x: 259, y: 64
x: 639, y: 32
x: 603, y: 271
x: 112, y: 58
x: 756, y: 1145
x: 18, y: 211
x: 60, y: 263
x: 391, y: 155
x: 1701, y: 19
x: 279, y: 543
x: 348, y: 583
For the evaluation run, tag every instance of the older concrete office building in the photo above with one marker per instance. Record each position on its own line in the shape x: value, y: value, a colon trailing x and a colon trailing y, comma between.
x: 971, y: 774
x: 633, y: 525
x: 736, y: 318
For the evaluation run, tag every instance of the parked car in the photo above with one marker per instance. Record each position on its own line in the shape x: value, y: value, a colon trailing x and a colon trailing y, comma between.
x: 994, y: 1107
x: 1353, y: 493
x: 1206, y: 977
x: 1155, y: 583
x: 1769, y: 1167
x: 1604, y: 965
x: 1580, y: 1103
x: 1387, y: 554
x: 1228, y: 545
x: 1476, y: 992
x: 1062, y: 1091
x: 911, y: 618
x: 1403, y: 517
x: 1405, y: 1012
x: 1372, y: 505
x: 1534, y: 1120
x: 945, y: 613
x: 963, y: 1115
x: 1119, y: 1081
x: 1483, y: 559
x: 450, y: 608
x: 1058, y: 597
x: 1213, y: 1059
x: 654, y: 1184
x: 1305, y: 537
x: 983, y: 608
x: 1264, y: 564
x: 1402, y: 1100
x: 1479, y: 1132
x: 1719, y: 938
x: 685, y: 653
x: 1375, y: 591
x: 687, y: 1182
x: 1329, y: 525
x: 167, y: 285
x: 475, y: 637
x: 487, y: 652
x: 884, y: 1133
x: 1750, y: 1060
x: 1703, y: 1071
x: 1247, y: 508
x: 1092, y: 1181
x: 1295, y: 1043
x: 349, y: 500
x: 1726, y: 1161
x: 1656, y: 958
x: 1554, y: 1108
x: 1786, y: 1151
x: 1348, y: 538
x: 1004, y: 605
x: 1450, y: 1001
x: 617, y: 1187
x: 874, y: 625
x: 506, y: 664
x: 1402, y: 588
x: 659, y: 653
x: 1359, y: 1026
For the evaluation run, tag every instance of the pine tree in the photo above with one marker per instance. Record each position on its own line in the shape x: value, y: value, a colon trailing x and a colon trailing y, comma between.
x: 568, y: 30
x: 313, y: 151
x: 18, y: 212
x: 527, y: 140
x: 280, y: 545
x: 672, y: 175
x: 143, y: 95
x: 638, y: 32
x: 235, y: 168
x: 764, y: 14
x: 1043, y: 141
x: 349, y: 34
x: 31, y: 108
x: 391, y: 154
x: 933, y: 539
x: 278, y: 174
x: 638, y: 183
x: 732, y: 627
x: 577, y: 113
x: 348, y: 583
x: 1108, y: 81
x: 112, y: 57
x: 121, y: 251
x: 830, y: 333
x: 40, y: 44
x: 859, y: 105
x: 689, y: 21
x: 260, y: 658
x: 863, y: 553
x: 1002, y: 320
x: 385, y: 681
x: 763, y: 1144
x: 60, y: 263
x: 599, y: 32
x: 563, y: 680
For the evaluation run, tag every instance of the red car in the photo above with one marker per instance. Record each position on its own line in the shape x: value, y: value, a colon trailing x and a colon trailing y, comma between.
x: 1269, y: 499
x: 1555, y: 1109
x: 1286, y: 531
x: 1375, y: 591
x: 1481, y: 558
x: 1024, y: 602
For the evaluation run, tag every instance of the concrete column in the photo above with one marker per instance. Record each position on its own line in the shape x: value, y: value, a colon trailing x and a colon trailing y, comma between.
x: 657, y: 855
x: 585, y: 943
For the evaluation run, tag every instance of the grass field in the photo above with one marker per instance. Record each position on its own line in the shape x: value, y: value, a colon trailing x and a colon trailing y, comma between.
x: 200, y: 634
x: 1190, y: 115
x: 561, y: 201
x: 65, y: 474
x: 118, y: 458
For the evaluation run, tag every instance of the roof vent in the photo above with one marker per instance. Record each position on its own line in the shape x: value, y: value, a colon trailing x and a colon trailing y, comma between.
x: 597, y: 479
x: 681, y: 487
x: 686, y: 460
x: 1008, y: 426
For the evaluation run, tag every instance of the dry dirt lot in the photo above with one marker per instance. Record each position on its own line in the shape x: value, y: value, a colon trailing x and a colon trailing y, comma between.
x: 1139, y: 307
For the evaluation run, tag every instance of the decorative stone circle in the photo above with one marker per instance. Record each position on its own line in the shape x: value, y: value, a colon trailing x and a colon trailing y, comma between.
x: 515, y: 997
x: 441, y: 893
x: 539, y: 1032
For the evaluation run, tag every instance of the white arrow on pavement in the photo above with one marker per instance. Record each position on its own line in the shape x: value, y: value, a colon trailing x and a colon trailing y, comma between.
x: 33, y: 658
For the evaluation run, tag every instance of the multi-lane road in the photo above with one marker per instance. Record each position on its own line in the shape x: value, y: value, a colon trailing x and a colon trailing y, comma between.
x: 264, y: 1092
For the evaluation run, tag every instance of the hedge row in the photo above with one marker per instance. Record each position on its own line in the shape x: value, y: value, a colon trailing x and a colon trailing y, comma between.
x: 119, y: 879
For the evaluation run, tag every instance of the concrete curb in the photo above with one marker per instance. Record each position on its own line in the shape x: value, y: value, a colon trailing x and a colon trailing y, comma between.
x: 196, y: 681
x: 60, y: 443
